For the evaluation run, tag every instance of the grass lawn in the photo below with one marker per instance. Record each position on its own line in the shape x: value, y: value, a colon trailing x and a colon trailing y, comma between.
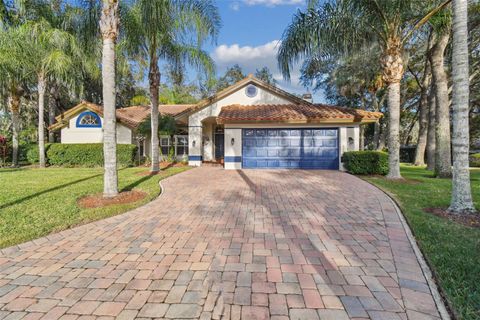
x: 36, y: 202
x: 452, y: 250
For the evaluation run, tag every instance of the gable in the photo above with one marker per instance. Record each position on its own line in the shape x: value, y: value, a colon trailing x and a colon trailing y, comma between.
x: 268, y: 94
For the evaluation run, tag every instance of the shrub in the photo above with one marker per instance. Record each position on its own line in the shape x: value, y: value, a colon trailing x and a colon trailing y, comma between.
x: 88, y: 155
x: 475, y: 160
x: 366, y: 162
x: 407, y: 154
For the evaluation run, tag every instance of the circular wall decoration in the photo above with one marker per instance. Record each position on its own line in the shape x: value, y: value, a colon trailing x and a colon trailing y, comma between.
x: 251, y: 91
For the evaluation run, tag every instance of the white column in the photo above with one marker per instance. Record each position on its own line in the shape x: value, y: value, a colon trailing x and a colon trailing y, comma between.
x: 343, y: 145
x: 233, y: 148
x: 356, y: 138
x: 195, y: 146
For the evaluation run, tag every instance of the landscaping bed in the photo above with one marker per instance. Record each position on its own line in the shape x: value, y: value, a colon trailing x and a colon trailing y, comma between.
x: 451, y: 248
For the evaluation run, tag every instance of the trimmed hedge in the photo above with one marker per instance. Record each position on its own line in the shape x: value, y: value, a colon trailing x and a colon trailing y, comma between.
x: 475, y: 160
x: 88, y: 155
x: 79, y: 155
x: 366, y: 162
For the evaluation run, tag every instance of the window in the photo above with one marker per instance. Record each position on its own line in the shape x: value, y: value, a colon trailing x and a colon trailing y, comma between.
x: 251, y: 91
x: 88, y: 119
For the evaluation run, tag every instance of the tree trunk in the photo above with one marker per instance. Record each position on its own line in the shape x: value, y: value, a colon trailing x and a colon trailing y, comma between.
x: 14, y: 105
x: 376, y: 135
x: 461, y: 190
x: 362, y: 138
x: 41, y: 86
x: 393, y: 69
x: 394, y: 131
x: 109, y: 28
x: 383, y: 136
x: 431, y: 145
x: 423, y: 118
x: 443, y: 161
x: 52, y: 109
x: 154, y: 80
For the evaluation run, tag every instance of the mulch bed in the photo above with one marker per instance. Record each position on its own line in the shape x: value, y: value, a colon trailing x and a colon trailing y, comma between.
x: 98, y: 201
x: 469, y: 220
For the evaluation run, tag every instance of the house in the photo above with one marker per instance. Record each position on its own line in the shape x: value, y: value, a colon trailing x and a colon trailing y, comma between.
x: 250, y: 124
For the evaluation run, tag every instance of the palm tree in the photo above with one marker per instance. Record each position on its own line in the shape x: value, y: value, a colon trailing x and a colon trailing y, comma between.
x: 172, y: 31
x: 52, y: 53
x: 461, y: 191
x: 345, y: 26
x: 14, y: 71
x: 109, y: 27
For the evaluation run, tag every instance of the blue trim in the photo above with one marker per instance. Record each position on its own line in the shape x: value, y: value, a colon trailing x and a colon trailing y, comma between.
x: 195, y: 158
x: 233, y: 159
x: 85, y: 113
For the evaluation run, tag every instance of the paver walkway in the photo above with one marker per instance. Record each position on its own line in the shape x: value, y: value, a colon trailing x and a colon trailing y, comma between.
x: 247, y: 244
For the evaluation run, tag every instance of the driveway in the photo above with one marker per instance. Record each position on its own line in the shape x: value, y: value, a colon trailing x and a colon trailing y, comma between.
x: 260, y: 244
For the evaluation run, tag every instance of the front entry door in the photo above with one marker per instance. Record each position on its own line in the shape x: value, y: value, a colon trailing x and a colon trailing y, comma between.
x: 219, y: 143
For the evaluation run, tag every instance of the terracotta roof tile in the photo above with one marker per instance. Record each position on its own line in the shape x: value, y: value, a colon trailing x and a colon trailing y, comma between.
x: 294, y: 113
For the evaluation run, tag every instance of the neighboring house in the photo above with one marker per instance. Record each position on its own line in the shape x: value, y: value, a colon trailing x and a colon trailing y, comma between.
x: 248, y: 125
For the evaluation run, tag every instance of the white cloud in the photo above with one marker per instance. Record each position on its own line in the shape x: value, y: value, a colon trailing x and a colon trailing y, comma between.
x: 235, y: 6
x: 251, y: 58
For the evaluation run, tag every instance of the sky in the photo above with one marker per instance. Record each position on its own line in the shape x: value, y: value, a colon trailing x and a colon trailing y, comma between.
x: 250, y: 35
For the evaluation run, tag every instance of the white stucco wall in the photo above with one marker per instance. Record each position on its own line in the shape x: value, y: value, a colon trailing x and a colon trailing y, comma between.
x: 72, y: 134
x: 235, y: 150
x: 196, y: 133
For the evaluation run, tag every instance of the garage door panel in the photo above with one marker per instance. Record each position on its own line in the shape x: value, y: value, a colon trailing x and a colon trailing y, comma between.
x: 290, y: 148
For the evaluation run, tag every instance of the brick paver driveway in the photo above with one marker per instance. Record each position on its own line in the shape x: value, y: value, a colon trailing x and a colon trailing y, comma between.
x: 246, y: 244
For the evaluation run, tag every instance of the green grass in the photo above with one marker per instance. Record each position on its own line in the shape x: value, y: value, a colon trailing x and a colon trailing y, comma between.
x: 452, y: 250
x: 36, y: 202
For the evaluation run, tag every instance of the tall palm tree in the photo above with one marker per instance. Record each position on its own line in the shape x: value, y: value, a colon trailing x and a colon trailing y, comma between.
x: 52, y: 53
x: 344, y: 26
x: 172, y: 31
x: 461, y: 190
x: 109, y: 28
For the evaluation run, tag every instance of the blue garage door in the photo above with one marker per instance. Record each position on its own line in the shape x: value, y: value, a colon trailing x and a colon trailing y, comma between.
x: 290, y: 148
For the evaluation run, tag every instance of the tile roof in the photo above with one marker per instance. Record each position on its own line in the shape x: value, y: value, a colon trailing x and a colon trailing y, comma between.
x: 294, y: 113
x: 130, y: 116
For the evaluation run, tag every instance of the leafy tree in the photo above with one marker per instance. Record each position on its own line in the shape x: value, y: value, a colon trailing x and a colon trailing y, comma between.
x: 172, y: 31
x: 265, y: 75
x: 231, y: 76
x: 345, y: 26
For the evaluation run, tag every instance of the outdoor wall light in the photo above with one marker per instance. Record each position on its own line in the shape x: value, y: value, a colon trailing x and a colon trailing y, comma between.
x: 232, y: 141
x: 194, y: 143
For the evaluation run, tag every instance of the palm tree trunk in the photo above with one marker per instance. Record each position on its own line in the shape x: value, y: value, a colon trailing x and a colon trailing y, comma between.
x: 443, y: 161
x: 423, y: 119
x: 362, y: 138
x: 52, y: 108
x: 376, y: 135
x: 109, y: 28
x: 154, y: 80
x: 41, y: 86
x: 461, y: 190
x: 394, y: 131
x: 431, y: 143
x: 14, y: 105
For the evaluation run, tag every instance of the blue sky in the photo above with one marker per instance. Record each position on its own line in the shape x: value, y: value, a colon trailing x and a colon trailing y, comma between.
x: 250, y: 34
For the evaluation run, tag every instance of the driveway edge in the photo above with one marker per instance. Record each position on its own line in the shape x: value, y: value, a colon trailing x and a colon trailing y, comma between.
x: 437, y: 297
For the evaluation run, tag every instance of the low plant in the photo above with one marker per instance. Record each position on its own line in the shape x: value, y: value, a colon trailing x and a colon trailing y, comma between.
x: 366, y: 162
